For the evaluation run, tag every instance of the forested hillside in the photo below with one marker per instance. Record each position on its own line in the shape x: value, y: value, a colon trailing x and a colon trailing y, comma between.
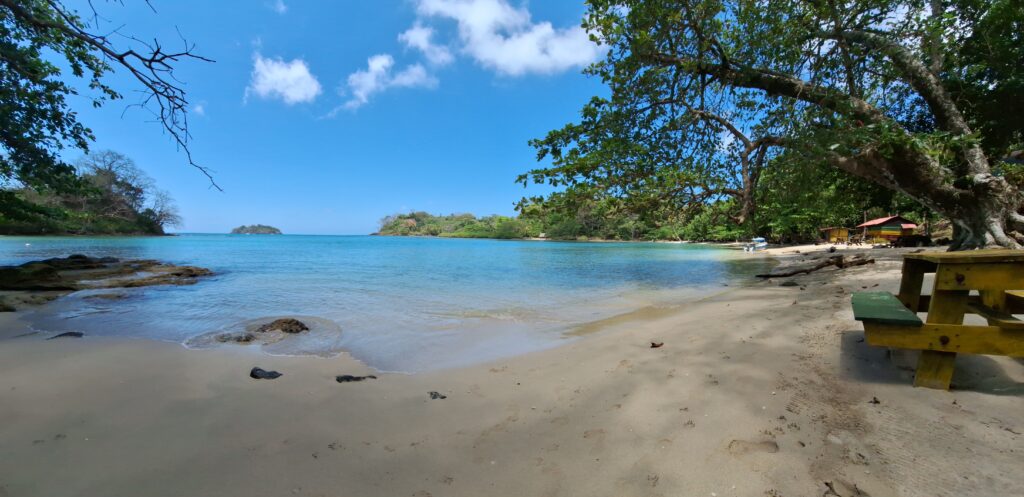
x: 107, y: 194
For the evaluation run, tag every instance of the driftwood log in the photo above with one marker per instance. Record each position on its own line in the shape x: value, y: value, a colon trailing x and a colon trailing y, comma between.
x: 839, y: 261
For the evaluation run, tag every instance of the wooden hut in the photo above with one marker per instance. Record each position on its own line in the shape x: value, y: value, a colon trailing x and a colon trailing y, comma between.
x: 836, y: 235
x: 887, y: 229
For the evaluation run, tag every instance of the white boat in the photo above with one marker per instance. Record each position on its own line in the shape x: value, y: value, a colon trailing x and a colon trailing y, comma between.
x: 755, y: 244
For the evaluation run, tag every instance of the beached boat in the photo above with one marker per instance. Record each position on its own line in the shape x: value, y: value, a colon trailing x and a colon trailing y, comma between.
x: 755, y: 244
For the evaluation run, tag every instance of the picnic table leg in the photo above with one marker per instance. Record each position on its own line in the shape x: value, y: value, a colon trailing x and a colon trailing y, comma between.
x: 913, y: 279
x: 910, y: 294
x: 935, y: 368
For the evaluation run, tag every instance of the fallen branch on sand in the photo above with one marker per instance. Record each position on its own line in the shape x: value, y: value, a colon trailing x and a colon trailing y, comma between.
x: 839, y: 261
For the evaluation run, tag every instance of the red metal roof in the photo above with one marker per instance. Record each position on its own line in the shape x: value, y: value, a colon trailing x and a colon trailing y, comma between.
x: 905, y: 223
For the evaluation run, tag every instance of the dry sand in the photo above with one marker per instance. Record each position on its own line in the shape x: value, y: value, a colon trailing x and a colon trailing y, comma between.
x: 758, y: 391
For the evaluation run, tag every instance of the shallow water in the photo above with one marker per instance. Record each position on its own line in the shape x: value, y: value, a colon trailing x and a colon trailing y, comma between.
x: 402, y: 304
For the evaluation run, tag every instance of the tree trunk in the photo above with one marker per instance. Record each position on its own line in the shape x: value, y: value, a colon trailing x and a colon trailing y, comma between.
x: 987, y: 222
x: 984, y: 213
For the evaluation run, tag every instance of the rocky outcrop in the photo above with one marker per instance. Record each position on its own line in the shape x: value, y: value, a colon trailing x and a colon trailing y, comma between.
x: 37, y: 276
x: 236, y: 337
x: 55, y: 277
x: 286, y: 325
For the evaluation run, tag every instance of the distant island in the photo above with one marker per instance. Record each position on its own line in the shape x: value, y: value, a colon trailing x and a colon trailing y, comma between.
x: 256, y: 229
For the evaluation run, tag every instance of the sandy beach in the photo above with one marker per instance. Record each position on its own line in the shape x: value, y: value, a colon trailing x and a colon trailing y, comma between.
x: 758, y: 390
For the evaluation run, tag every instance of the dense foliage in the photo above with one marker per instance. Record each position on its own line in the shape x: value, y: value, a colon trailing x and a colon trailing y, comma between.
x: 111, y: 195
x: 455, y: 226
x: 756, y: 112
x: 256, y: 229
x: 51, y: 59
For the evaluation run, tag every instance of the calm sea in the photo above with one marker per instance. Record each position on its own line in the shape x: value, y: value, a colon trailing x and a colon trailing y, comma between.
x: 402, y: 304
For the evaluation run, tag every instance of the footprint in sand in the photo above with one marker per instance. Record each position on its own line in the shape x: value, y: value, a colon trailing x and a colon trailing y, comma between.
x: 597, y: 435
x: 741, y: 447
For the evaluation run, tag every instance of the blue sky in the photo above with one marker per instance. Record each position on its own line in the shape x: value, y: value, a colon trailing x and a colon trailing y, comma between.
x: 322, y: 117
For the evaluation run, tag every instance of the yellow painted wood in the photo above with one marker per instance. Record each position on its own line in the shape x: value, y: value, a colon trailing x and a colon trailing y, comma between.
x: 998, y: 275
x: 996, y: 317
x: 935, y: 368
x: 1014, y: 301
x: 988, y: 340
x: 911, y: 282
x: 1013, y: 306
x: 980, y: 276
x: 969, y: 256
x: 993, y: 299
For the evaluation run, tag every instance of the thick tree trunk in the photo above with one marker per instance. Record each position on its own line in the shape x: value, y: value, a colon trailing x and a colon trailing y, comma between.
x: 984, y: 213
x: 988, y: 221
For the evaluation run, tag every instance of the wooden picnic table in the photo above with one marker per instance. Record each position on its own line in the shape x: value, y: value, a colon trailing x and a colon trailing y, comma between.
x: 997, y: 279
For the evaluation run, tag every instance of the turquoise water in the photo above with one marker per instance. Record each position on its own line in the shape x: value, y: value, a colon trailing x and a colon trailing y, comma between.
x: 402, y: 304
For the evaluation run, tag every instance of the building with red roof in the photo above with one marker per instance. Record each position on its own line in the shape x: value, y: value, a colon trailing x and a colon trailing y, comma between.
x: 887, y: 229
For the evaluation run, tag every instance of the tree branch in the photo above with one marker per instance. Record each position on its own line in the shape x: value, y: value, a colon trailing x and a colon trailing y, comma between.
x: 927, y: 84
x: 777, y: 84
x: 154, y: 71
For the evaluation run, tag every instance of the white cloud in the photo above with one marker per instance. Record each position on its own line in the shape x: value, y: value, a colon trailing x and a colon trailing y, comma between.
x: 421, y: 37
x: 289, y: 81
x: 504, y: 38
x: 279, y: 7
x: 379, y: 76
x: 199, y: 109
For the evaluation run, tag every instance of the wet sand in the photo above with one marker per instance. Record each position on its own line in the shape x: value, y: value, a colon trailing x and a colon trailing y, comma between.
x: 758, y: 391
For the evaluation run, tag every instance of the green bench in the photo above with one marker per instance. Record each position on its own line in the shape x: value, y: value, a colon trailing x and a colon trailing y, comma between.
x: 882, y: 308
x: 889, y: 323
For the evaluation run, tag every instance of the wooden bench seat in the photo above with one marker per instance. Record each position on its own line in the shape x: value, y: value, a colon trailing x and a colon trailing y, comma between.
x: 888, y: 323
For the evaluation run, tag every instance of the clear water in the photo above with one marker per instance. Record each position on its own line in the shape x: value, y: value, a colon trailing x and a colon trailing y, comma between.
x: 402, y: 304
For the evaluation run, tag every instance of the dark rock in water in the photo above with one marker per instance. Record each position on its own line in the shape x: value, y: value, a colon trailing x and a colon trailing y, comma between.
x: 5, y: 307
x: 345, y: 378
x: 32, y: 276
x: 71, y: 334
x: 78, y: 271
x: 163, y: 274
x: 236, y: 337
x: 789, y: 283
x: 287, y: 325
x: 437, y: 395
x: 261, y: 374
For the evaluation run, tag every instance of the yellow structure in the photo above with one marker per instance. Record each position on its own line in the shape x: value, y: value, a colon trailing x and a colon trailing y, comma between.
x: 887, y: 229
x: 997, y: 276
x: 836, y: 235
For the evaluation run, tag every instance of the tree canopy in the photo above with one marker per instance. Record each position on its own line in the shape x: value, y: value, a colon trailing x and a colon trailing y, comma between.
x: 706, y: 97
x: 49, y: 54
